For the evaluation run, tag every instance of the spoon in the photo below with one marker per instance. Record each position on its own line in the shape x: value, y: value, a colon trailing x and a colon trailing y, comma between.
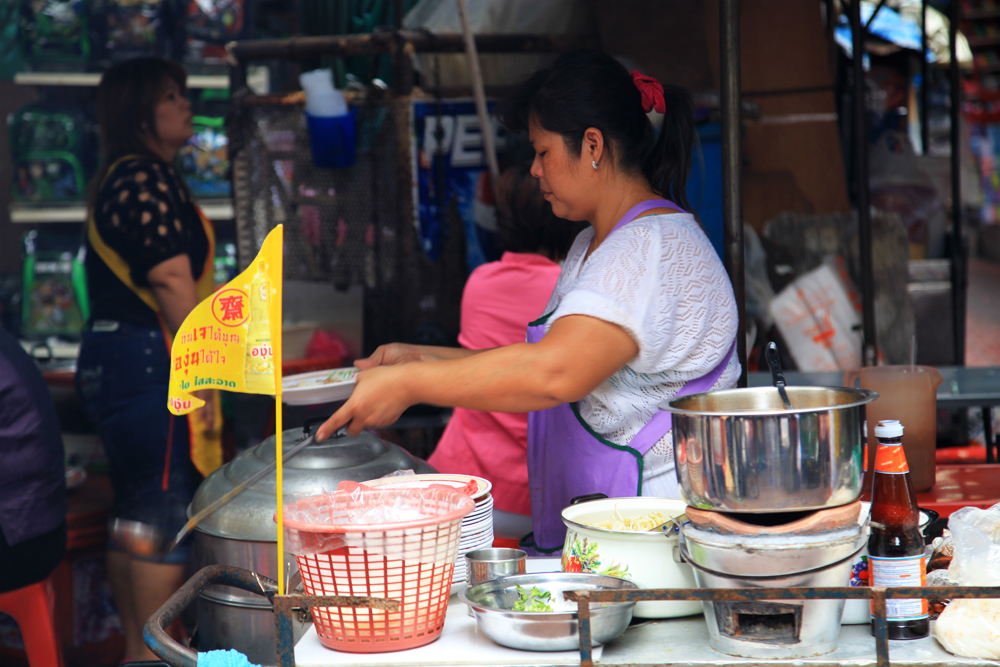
x: 779, y: 378
x: 669, y: 524
x: 146, y: 539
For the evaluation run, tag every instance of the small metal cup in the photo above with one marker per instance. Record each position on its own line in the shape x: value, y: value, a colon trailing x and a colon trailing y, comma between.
x: 487, y: 564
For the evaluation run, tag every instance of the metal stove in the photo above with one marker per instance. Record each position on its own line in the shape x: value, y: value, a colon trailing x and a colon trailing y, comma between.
x: 813, y: 549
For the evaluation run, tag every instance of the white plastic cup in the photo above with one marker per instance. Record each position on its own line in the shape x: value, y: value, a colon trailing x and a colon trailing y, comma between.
x: 322, y: 99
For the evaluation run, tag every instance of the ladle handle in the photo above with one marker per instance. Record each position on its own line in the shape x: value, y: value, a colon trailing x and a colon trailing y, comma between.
x: 242, y: 486
x: 774, y: 362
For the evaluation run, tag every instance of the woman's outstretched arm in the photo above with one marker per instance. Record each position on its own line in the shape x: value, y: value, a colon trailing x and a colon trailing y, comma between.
x: 576, y: 355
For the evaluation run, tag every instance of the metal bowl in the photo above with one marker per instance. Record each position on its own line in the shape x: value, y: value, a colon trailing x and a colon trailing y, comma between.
x: 558, y: 630
x: 739, y: 450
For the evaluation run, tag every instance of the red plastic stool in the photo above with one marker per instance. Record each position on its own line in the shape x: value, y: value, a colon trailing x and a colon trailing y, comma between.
x: 33, y: 609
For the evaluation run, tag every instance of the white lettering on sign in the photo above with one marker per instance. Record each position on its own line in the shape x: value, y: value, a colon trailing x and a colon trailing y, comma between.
x: 460, y: 137
x: 467, y: 151
x: 430, y: 134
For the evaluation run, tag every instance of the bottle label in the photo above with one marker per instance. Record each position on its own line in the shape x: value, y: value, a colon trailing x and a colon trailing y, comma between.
x: 864, y: 460
x: 897, y: 572
x: 890, y: 459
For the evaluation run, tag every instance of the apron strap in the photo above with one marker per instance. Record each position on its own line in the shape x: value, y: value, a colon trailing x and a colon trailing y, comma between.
x: 641, y: 208
x: 662, y: 421
x: 205, y: 284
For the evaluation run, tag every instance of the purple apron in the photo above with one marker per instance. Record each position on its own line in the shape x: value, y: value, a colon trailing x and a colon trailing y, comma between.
x: 566, y: 458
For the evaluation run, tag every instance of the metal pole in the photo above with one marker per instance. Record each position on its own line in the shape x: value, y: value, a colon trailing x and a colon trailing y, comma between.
x: 480, y: 94
x: 958, y: 268
x: 869, y: 352
x: 732, y: 164
x: 925, y: 119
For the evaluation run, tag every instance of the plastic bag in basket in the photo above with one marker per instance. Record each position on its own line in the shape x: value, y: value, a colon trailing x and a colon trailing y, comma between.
x: 968, y: 627
x: 383, y: 521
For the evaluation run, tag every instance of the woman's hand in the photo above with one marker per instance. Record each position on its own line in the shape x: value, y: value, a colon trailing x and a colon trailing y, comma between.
x: 380, y: 396
x: 390, y: 355
x: 402, y: 353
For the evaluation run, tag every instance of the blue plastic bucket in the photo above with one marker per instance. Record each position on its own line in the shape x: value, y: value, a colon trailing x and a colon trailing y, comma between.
x: 331, y: 139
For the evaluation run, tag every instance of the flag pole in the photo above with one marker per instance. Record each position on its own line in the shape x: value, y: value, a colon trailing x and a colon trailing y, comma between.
x: 278, y: 447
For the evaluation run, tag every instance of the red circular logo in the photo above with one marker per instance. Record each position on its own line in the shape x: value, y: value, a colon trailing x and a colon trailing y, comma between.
x: 231, y: 307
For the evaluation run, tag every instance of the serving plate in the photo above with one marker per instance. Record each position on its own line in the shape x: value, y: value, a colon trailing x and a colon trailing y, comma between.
x: 318, y: 386
x: 424, y: 481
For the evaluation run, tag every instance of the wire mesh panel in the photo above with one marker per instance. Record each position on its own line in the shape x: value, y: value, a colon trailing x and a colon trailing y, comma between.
x: 347, y: 226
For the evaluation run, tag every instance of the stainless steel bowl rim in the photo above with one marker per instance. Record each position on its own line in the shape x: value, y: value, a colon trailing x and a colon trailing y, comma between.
x: 525, y: 580
x: 865, y: 396
x: 687, y: 558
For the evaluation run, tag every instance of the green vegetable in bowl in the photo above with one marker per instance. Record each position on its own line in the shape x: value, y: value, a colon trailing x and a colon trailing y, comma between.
x: 533, y: 600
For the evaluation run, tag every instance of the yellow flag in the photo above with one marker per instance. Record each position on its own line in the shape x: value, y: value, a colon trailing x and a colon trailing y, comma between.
x: 228, y: 340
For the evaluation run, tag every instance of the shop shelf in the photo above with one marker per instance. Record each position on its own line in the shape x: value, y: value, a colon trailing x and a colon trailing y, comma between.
x: 214, y: 209
x: 93, y: 78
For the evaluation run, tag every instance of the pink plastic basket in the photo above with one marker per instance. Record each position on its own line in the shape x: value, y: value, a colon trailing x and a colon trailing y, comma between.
x: 411, y: 561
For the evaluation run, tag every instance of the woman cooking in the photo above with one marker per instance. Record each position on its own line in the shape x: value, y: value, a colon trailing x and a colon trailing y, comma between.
x: 643, y: 308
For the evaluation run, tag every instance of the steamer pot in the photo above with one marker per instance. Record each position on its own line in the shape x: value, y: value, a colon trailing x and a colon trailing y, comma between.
x: 739, y: 450
x: 243, y: 532
x: 650, y: 560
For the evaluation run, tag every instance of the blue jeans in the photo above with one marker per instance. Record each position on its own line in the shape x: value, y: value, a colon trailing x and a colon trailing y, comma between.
x: 122, y: 378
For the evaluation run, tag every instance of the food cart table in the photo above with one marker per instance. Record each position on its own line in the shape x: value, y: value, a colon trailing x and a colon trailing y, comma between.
x: 958, y: 486
x: 682, y: 642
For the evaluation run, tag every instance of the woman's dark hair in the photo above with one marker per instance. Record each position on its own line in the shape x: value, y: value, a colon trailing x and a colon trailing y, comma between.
x: 587, y: 88
x: 524, y: 219
x: 126, y: 108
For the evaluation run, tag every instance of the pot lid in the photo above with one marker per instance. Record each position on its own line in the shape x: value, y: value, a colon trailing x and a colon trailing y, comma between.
x: 317, y: 469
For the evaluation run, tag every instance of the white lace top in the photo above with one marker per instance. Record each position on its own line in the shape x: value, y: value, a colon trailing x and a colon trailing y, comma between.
x: 659, y: 279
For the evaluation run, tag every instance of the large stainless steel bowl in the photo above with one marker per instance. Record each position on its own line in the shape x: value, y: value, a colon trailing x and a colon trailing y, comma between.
x: 739, y: 450
x: 557, y: 630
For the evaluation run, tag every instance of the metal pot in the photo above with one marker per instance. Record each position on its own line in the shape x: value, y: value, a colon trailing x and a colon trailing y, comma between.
x: 243, y: 533
x: 739, y: 450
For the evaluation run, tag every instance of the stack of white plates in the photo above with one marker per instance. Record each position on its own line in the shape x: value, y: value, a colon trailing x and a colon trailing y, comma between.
x: 477, y: 533
x: 477, y: 527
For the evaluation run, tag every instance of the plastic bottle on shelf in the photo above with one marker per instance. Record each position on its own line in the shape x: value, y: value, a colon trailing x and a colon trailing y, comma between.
x: 896, y: 545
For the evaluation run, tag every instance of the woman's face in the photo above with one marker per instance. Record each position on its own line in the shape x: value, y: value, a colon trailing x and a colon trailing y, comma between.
x: 173, y: 117
x: 562, y: 177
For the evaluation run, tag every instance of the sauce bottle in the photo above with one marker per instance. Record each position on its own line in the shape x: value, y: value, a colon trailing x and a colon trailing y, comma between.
x: 258, y: 369
x: 896, y: 545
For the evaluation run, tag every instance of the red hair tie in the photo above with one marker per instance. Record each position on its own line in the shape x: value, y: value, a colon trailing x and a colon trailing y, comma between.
x: 652, y: 92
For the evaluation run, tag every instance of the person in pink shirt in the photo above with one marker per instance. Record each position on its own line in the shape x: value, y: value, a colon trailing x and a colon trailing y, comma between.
x: 499, y: 301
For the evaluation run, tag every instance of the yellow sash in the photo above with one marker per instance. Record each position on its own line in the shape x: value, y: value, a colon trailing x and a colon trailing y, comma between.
x: 206, y: 445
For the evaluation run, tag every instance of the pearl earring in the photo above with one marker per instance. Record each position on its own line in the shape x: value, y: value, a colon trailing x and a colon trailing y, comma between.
x: 594, y: 162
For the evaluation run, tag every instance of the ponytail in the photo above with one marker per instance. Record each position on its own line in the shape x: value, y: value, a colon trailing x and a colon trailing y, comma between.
x: 669, y: 162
